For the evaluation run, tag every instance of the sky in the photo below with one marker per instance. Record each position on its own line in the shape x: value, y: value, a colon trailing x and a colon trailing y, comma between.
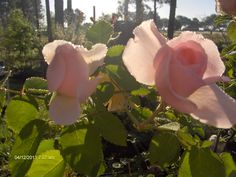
x: 188, y: 8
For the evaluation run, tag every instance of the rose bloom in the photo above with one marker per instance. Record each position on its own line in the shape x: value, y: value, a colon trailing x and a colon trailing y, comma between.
x: 185, y: 71
x: 68, y: 75
x: 226, y: 6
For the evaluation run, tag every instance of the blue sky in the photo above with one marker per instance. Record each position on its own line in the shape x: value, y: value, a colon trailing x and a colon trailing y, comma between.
x: 189, y: 8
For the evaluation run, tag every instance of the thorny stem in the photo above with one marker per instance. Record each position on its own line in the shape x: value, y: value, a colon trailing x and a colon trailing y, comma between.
x: 6, y: 78
x: 11, y: 91
x: 30, y: 91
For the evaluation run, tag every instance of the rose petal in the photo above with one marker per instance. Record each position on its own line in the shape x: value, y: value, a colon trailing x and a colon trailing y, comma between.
x: 214, y: 107
x: 49, y: 50
x: 183, y: 80
x: 94, y: 57
x: 87, y: 88
x: 215, y: 66
x: 64, y: 110
x: 76, y: 70
x: 140, y: 52
x: 56, y: 73
x: 162, y: 79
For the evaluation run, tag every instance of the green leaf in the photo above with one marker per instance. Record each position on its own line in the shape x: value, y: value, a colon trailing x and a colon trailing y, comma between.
x: 121, y: 77
x: 206, y: 144
x: 35, y: 83
x: 186, y: 139
x: 25, y: 147
x: 115, y: 51
x: 231, y: 30
x: 20, y: 112
x: 201, y: 163
x: 73, y: 137
x: 172, y: 126
x: 228, y: 163
x: 184, y: 169
x: 82, y: 149
x: 111, y: 128
x: 199, y: 131
x: 164, y: 149
x: 100, y: 32
x: 48, y: 164
x: 45, y: 145
x: 104, y: 92
x: 142, y: 113
x: 140, y: 92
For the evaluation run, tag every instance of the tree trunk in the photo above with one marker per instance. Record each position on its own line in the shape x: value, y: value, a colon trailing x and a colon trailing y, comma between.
x: 59, y: 13
x: 69, y: 12
x: 49, y: 24
x: 155, y: 12
x: 126, y: 10
x: 36, y: 8
x: 139, y: 11
x: 69, y: 5
x: 171, y: 25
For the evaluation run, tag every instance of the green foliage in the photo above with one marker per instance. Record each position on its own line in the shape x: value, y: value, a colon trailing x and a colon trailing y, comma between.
x: 201, y: 162
x: 111, y: 128
x: 104, y: 92
x: 172, y: 126
x: 100, y: 32
x: 164, y: 149
x: 45, y: 145
x: 115, y: 51
x: 172, y: 142
x: 228, y: 163
x: 82, y: 149
x: 25, y: 147
x: 20, y: 111
x: 48, y: 164
x: 121, y: 77
x: 20, y: 42
x: 35, y: 83
x: 231, y: 31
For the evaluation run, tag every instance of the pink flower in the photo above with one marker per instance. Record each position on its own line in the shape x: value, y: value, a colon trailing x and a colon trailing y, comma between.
x: 68, y: 75
x: 226, y: 6
x: 185, y: 70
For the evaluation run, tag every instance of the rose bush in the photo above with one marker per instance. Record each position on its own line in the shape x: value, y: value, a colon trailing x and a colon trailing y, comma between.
x: 68, y: 75
x: 185, y: 71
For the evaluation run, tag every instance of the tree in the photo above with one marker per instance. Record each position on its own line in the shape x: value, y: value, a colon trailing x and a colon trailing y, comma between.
x: 32, y: 10
x: 171, y: 24
x: 208, y: 22
x: 139, y: 11
x: 68, y: 13
x: 20, y: 41
x: 59, y: 13
x: 182, y: 22
x: 49, y: 24
x: 126, y: 10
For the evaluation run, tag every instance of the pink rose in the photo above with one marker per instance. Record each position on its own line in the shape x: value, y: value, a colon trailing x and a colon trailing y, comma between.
x: 185, y: 70
x: 68, y: 75
x: 227, y: 6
